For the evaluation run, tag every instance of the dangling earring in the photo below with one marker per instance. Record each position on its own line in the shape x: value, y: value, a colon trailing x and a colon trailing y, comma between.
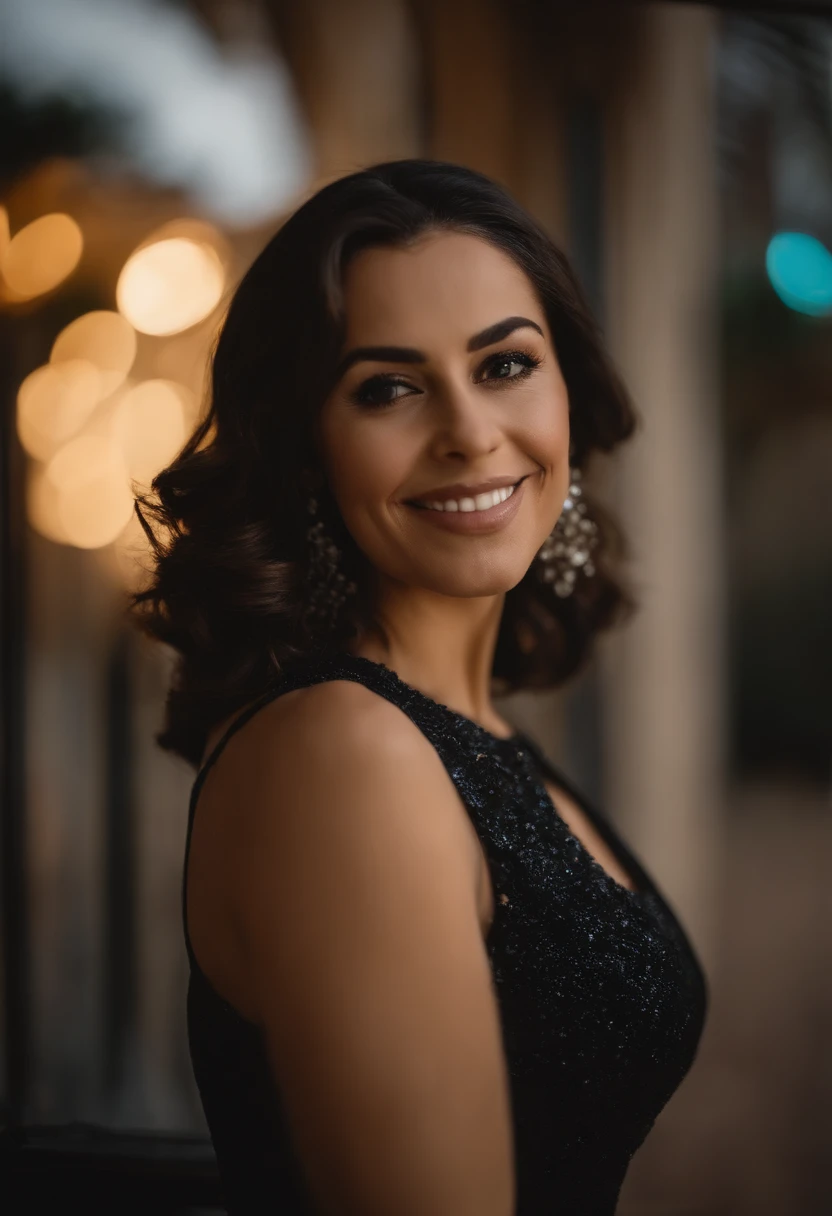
x: 328, y: 587
x: 567, y: 549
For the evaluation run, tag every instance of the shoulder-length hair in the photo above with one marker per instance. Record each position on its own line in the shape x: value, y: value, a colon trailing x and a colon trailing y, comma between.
x: 227, y: 589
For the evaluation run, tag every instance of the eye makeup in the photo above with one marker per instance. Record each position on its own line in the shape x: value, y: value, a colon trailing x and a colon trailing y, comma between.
x: 369, y: 394
x: 527, y: 361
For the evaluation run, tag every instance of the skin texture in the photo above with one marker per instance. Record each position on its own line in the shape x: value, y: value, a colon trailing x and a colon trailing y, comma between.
x: 338, y: 895
x: 459, y: 416
x: 334, y: 905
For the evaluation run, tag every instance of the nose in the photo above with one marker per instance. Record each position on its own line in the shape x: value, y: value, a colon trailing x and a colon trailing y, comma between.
x: 465, y: 426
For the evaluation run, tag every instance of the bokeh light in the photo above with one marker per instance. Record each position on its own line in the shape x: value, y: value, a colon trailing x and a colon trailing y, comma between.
x: 54, y: 402
x: 94, y: 512
x: 94, y: 500
x: 130, y: 558
x: 799, y: 267
x: 170, y: 285
x: 200, y: 232
x: 42, y: 255
x: 82, y: 459
x: 105, y: 339
x: 150, y: 426
x: 186, y: 358
x: 42, y: 505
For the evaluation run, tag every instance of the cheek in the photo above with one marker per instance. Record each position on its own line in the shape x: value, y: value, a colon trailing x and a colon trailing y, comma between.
x: 364, y: 464
x: 546, y: 441
x: 545, y: 424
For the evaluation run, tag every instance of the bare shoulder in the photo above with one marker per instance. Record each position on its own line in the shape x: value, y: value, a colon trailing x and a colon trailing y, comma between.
x: 335, y: 728
x: 349, y: 915
x: 334, y: 767
x: 348, y: 709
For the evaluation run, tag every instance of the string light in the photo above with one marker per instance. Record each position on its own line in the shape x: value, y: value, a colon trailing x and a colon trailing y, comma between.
x: 54, y: 402
x: 149, y: 426
x: 105, y: 339
x: 41, y: 255
x: 170, y: 285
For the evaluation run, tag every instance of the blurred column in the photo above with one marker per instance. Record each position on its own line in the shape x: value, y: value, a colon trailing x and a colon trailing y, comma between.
x: 491, y: 103
x: 664, y: 673
x: 356, y: 70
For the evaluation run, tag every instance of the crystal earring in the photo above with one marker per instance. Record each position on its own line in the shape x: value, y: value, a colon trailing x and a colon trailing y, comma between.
x: 568, y: 548
x: 328, y: 587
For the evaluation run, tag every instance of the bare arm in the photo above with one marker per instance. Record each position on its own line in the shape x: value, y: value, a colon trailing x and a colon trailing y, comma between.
x: 353, y: 895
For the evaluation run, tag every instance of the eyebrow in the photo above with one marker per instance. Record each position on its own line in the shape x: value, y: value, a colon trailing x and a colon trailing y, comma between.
x: 408, y: 354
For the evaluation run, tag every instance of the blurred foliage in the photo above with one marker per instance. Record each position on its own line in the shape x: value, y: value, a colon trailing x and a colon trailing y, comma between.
x: 794, y: 49
x: 34, y: 131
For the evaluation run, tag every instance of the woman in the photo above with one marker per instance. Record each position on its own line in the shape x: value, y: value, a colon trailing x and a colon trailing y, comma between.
x: 427, y: 979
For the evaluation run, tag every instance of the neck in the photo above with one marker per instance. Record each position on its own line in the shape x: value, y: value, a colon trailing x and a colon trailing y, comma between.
x: 443, y: 646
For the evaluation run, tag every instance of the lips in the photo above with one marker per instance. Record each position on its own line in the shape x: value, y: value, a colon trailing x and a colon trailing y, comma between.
x: 468, y: 519
x: 468, y: 494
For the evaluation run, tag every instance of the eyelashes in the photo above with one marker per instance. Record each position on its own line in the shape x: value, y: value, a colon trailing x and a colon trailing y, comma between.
x: 527, y: 361
x: 370, y: 394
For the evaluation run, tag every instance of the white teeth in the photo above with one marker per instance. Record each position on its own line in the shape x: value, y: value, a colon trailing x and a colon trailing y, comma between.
x: 482, y: 502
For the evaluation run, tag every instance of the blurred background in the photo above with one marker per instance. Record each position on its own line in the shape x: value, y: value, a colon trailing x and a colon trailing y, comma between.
x: 682, y: 155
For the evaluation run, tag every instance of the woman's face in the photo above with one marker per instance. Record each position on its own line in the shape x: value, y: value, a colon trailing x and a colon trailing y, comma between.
x: 449, y: 395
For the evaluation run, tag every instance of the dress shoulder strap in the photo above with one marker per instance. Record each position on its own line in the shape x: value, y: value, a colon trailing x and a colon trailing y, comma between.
x: 429, y: 716
x: 340, y: 666
x: 246, y: 715
x: 486, y: 770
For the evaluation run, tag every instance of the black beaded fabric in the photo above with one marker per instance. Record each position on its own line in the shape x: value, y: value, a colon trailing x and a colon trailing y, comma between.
x: 602, y: 998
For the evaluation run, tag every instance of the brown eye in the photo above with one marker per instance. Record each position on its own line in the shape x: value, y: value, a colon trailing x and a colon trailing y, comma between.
x: 504, y: 367
x: 501, y: 366
x: 379, y: 390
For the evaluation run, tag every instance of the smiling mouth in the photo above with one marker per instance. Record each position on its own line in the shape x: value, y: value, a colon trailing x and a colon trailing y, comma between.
x: 465, y: 505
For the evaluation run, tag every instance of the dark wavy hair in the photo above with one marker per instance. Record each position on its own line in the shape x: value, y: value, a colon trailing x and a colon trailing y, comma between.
x: 227, y: 587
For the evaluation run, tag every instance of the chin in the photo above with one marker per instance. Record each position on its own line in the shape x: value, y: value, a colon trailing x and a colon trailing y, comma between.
x: 469, y: 580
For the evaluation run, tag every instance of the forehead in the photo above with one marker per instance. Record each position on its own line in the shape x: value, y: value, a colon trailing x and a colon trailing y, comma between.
x: 447, y: 285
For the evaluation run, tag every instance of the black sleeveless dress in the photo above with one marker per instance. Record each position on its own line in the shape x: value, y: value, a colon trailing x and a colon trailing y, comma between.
x: 602, y: 999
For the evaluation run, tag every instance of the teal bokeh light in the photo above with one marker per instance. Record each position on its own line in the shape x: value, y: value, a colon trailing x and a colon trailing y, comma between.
x: 800, y: 269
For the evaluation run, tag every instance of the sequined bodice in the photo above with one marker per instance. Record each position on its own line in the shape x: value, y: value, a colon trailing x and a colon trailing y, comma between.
x: 602, y: 999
